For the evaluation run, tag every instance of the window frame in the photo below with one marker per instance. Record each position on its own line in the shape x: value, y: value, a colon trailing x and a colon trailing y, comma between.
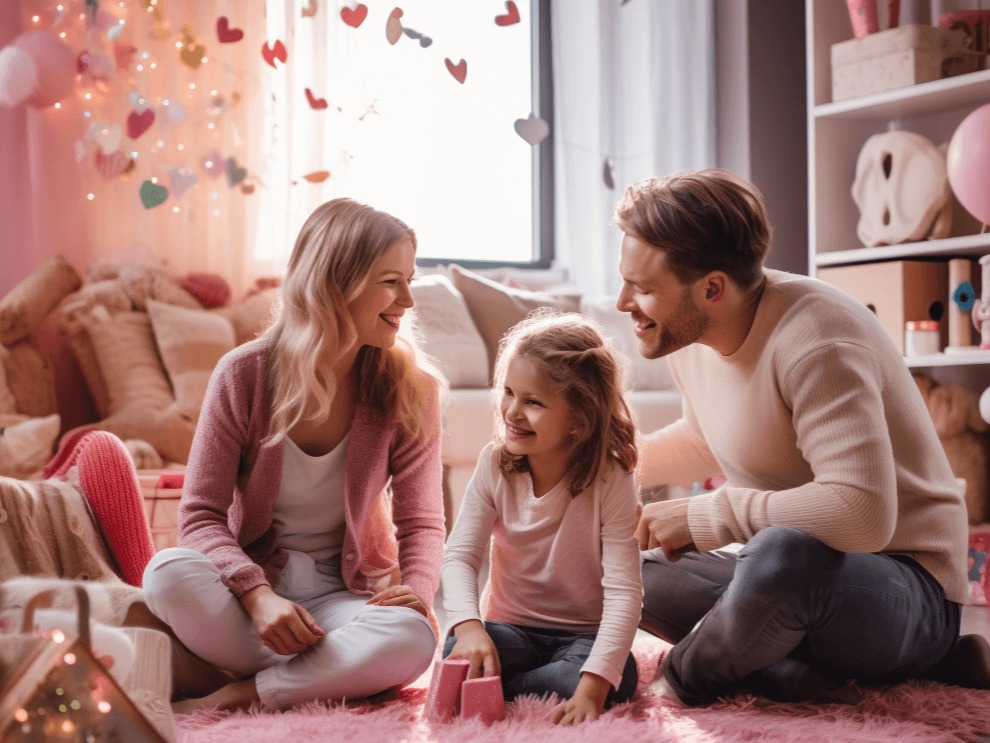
x: 543, y: 165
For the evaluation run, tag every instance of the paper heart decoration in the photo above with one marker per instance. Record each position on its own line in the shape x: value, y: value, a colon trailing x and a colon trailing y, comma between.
x: 423, y: 39
x: 123, y: 54
x: 152, y: 194
x: 106, y: 136
x: 317, y: 104
x: 192, y: 51
x: 393, y: 26
x: 181, y: 181
x: 235, y: 173
x: 173, y: 112
x: 273, y: 52
x: 355, y: 16
x: 247, y: 188
x: 225, y: 33
x: 213, y: 164
x: 511, y: 15
x: 534, y: 129
x: 138, y: 124
x: 317, y: 176
x: 110, y: 166
x: 459, y: 70
x: 310, y: 10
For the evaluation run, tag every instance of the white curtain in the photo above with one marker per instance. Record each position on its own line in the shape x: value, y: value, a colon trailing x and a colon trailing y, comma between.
x: 634, y: 92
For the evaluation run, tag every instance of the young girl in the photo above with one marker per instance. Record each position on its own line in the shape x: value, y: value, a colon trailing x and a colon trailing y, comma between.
x: 311, y: 521
x: 555, y: 495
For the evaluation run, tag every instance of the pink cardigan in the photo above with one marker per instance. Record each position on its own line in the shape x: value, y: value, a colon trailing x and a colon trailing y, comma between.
x: 232, y: 482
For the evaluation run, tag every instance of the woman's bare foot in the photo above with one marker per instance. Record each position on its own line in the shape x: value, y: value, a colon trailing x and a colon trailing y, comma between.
x: 238, y: 695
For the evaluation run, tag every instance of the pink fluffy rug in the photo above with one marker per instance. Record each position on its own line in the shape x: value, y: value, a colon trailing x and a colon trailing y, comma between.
x: 910, y: 713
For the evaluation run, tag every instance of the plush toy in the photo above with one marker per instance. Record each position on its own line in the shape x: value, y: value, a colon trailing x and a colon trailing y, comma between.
x: 963, y: 433
x: 29, y: 424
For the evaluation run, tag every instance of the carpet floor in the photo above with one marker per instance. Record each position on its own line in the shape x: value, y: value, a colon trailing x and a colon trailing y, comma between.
x: 915, y: 712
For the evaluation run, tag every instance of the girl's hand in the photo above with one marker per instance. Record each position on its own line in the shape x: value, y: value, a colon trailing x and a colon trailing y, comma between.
x: 399, y: 596
x: 283, y: 626
x: 587, y: 704
x: 475, y: 645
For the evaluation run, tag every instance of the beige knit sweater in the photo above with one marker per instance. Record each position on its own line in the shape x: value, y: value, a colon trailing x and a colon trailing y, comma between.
x: 816, y: 423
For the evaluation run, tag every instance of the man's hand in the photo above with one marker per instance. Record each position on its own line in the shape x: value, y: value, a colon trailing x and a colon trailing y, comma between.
x: 283, y: 626
x: 399, y: 596
x: 665, y: 525
x: 587, y: 704
x: 475, y: 645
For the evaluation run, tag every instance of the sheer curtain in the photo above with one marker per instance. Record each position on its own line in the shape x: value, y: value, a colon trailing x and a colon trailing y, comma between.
x: 634, y: 97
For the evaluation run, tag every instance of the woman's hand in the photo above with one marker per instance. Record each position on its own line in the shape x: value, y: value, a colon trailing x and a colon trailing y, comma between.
x: 587, y: 704
x: 475, y: 645
x: 283, y: 626
x: 399, y: 596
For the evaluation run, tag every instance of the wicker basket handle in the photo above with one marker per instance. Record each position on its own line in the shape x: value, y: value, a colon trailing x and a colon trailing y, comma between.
x: 43, y: 600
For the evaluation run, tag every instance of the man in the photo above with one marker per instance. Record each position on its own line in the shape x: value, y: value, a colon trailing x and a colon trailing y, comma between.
x: 854, y: 530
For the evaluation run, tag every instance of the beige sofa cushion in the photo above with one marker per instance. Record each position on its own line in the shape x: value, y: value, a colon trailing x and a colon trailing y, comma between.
x: 447, y: 332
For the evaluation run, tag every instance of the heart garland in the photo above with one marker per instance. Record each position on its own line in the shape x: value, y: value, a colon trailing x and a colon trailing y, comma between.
x: 152, y: 194
x: 226, y: 34
x: 459, y: 70
x: 273, y: 52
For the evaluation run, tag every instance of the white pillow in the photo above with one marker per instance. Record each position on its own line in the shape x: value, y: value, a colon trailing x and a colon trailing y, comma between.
x: 448, y: 333
x: 644, y: 374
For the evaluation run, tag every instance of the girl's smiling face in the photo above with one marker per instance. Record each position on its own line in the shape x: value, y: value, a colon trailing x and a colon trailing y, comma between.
x: 377, y: 310
x: 536, y: 416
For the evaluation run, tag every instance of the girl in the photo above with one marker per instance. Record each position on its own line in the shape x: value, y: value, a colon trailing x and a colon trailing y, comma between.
x: 555, y: 495
x: 314, y: 484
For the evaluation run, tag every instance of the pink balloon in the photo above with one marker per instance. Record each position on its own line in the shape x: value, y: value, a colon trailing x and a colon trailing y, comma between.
x: 56, y: 66
x: 968, y: 163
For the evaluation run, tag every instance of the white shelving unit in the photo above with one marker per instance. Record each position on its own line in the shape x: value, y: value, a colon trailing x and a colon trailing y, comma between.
x: 837, y: 132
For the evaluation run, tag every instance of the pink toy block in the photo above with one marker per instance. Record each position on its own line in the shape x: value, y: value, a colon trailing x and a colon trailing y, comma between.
x: 482, y: 697
x: 445, y: 689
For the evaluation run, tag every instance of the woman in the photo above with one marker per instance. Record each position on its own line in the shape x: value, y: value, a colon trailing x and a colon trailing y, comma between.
x: 314, y: 483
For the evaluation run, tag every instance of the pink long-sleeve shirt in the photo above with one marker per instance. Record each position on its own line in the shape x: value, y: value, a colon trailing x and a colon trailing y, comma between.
x: 232, y: 482
x: 557, y: 561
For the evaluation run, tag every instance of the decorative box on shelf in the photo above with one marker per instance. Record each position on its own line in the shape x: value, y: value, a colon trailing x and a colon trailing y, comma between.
x: 896, y: 291
x: 161, y: 490
x: 898, y: 57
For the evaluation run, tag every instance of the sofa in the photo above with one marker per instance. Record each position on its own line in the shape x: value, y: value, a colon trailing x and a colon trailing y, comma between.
x: 145, y: 343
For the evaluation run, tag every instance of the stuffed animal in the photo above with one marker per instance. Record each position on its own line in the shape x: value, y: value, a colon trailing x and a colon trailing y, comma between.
x: 963, y: 432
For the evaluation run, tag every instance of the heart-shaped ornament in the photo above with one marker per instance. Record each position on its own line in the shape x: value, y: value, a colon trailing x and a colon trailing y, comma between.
x: 235, y: 173
x: 310, y: 10
x: 106, y: 136
x: 317, y: 104
x: 393, y: 26
x: 137, y: 101
x: 123, y: 55
x: 225, y: 33
x: 317, y: 176
x: 511, y: 15
x: 192, y: 51
x: 110, y: 166
x: 139, y: 123
x: 273, y: 52
x: 173, y: 112
x: 355, y: 16
x: 213, y: 164
x: 152, y: 194
x: 459, y: 70
x: 181, y: 181
x: 534, y: 129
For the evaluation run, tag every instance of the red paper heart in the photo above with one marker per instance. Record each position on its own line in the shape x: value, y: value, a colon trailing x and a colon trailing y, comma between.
x: 511, y: 16
x: 355, y: 16
x: 225, y: 33
x: 110, y: 166
x: 318, y: 104
x: 459, y: 70
x: 139, y: 123
x: 273, y: 52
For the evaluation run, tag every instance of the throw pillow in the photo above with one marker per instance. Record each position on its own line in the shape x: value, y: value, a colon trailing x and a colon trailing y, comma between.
x: 495, y: 308
x: 26, y: 444
x: 447, y: 332
x: 30, y: 302
x: 252, y: 315
x: 642, y: 373
x: 190, y: 342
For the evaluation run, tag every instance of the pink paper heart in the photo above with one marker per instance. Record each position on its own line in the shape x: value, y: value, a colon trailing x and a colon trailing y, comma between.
x: 213, y: 164
x: 181, y: 181
x: 459, y: 70
x: 533, y: 129
x: 139, y: 123
x: 110, y: 166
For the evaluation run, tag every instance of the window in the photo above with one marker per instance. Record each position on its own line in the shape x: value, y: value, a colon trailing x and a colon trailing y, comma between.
x: 435, y: 142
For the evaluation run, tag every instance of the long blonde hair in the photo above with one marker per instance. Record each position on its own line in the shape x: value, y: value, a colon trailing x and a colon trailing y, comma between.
x: 580, y: 363
x: 329, y: 267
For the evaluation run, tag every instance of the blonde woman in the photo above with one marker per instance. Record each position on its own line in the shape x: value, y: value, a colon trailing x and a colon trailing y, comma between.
x: 311, y: 522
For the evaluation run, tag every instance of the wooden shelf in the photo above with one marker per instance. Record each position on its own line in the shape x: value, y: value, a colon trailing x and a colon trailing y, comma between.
x: 964, y: 245
x: 961, y: 91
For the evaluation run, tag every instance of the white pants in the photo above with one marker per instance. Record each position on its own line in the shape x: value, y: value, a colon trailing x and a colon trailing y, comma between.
x: 366, y: 649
